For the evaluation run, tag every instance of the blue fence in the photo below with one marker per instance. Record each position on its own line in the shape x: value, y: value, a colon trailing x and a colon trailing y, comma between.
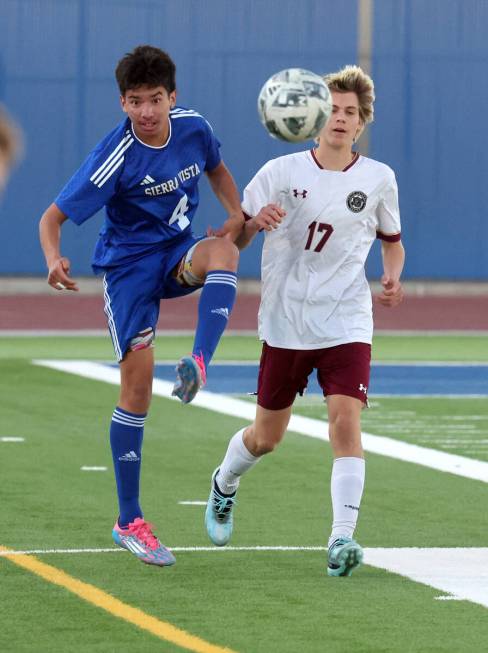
x: 428, y: 60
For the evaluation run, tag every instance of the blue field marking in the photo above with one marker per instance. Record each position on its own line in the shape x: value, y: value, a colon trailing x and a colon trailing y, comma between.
x: 418, y: 379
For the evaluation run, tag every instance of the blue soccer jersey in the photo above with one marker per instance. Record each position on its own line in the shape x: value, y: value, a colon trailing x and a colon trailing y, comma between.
x: 150, y: 193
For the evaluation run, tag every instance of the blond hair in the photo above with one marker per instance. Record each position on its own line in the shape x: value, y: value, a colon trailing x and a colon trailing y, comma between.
x: 10, y: 139
x: 353, y: 79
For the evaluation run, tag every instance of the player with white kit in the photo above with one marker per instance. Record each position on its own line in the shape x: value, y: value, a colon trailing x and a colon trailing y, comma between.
x: 321, y: 210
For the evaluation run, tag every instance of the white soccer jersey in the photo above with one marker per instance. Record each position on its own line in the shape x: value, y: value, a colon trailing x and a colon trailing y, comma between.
x: 314, y: 289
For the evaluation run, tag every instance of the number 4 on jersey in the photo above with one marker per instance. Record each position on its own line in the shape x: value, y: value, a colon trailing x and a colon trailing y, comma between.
x: 179, y: 213
x: 318, y: 227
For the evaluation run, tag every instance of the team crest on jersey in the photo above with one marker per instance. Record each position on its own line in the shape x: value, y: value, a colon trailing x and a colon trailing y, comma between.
x: 356, y: 201
x: 300, y: 193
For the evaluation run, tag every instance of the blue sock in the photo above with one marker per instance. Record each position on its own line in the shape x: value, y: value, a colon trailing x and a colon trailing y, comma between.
x: 126, y: 433
x: 216, y: 302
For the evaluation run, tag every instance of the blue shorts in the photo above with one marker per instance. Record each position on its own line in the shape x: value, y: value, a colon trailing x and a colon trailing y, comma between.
x: 132, y: 293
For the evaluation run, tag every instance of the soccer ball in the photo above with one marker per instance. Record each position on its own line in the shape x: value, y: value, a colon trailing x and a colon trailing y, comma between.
x: 294, y: 105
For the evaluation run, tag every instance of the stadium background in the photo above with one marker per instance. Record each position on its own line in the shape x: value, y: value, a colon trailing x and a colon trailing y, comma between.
x: 427, y: 57
x: 56, y: 76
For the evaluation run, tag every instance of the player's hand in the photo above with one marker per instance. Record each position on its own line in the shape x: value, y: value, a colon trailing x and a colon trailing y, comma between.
x: 270, y: 217
x: 231, y: 229
x: 392, y: 293
x: 58, y: 276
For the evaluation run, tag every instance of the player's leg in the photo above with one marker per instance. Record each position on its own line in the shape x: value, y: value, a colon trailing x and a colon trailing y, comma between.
x: 345, y: 389
x: 347, y: 482
x: 131, y: 531
x: 127, y: 430
x: 213, y: 263
x: 245, y: 449
x: 129, y: 313
x: 282, y: 373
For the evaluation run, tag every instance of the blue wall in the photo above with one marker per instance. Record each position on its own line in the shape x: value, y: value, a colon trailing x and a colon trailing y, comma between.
x: 429, y: 64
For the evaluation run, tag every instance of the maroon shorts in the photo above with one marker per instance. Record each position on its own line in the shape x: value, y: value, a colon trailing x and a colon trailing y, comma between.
x: 341, y: 370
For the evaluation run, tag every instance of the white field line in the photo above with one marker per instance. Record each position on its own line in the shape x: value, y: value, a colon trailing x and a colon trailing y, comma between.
x: 9, y: 438
x: 460, y: 572
x: 178, y: 549
x: 381, y: 445
x: 31, y: 552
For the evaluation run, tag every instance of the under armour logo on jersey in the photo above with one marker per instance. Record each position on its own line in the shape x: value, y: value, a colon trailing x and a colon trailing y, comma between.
x: 363, y: 388
x: 147, y: 180
x: 303, y: 193
x: 221, y: 311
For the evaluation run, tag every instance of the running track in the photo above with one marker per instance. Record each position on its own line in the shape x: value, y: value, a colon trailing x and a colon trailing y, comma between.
x: 79, y: 312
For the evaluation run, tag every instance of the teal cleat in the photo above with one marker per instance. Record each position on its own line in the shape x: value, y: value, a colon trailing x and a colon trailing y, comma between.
x: 218, y: 516
x: 345, y: 555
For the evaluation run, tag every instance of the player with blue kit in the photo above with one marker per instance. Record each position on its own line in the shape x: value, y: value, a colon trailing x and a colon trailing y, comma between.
x: 145, y: 173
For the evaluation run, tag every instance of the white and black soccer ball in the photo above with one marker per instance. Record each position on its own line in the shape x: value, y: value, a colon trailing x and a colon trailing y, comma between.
x: 294, y: 105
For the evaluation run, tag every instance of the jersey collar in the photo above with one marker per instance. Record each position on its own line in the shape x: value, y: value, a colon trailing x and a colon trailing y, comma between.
x: 152, y: 147
x: 349, y: 165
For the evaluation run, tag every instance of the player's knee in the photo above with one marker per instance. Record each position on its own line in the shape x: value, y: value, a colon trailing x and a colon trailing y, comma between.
x: 265, y: 446
x: 260, y: 443
x: 345, y: 432
x: 137, y: 395
x: 344, y: 419
x: 225, y: 254
x: 232, y: 250
x: 342, y: 425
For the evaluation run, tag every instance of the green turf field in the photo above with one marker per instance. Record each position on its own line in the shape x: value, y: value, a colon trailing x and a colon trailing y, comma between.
x: 397, y: 348
x: 245, y: 601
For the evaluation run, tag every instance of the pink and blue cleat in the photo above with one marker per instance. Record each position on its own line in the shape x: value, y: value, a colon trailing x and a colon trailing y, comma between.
x: 190, y: 377
x: 139, y: 539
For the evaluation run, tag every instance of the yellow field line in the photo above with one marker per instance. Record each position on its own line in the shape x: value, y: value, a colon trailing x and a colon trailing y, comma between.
x: 101, y: 599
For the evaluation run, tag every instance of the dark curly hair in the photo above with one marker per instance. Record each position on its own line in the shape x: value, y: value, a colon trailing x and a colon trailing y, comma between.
x: 146, y: 66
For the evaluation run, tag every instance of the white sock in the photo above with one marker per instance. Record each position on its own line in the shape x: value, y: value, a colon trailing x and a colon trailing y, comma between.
x: 346, y: 486
x: 237, y: 460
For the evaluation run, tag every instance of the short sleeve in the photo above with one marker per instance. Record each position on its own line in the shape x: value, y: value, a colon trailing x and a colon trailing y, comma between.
x: 389, y: 227
x: 95, y: 182
x: 264, y: 188
x: 213, y: 149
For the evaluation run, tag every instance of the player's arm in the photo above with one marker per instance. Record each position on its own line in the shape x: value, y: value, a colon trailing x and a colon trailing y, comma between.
x: 268, y: 219
x: 393, y: 259
x: 261, y: 202
x: 50, y: 236
x: 225, y: 189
